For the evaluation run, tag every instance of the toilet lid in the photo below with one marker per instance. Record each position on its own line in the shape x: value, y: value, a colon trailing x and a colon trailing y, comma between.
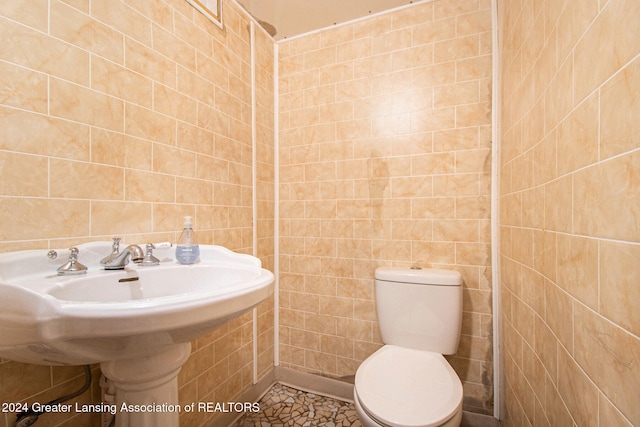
x: 403, y: 387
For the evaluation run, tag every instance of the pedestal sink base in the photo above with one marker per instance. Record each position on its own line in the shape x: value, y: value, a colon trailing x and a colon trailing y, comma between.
x: 147, y: 387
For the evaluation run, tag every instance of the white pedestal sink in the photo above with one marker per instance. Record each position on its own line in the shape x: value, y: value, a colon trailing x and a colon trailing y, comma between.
x: 150, y: 380
x: 137, y: 323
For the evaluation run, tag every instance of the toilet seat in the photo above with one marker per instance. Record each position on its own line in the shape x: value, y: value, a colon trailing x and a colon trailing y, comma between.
x: 402, y: 387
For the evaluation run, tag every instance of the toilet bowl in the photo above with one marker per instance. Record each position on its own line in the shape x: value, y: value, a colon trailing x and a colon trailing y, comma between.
x: 401, y: 387
x: 408, y: 382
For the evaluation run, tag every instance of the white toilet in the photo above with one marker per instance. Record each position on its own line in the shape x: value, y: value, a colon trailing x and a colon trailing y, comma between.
x: 407, y: 382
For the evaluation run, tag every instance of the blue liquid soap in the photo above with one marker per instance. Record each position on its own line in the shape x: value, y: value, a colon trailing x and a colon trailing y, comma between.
x: 187, y: 249
x: 187, y: 254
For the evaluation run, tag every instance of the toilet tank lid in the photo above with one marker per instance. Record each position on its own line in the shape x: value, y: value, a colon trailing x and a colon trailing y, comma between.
x: 424, y: 276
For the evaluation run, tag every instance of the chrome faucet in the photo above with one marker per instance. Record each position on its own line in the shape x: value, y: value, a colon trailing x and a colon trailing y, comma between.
x: 117, y: 260
x: 115, y: 251
x: 71, y: 267
x: 149, y: 259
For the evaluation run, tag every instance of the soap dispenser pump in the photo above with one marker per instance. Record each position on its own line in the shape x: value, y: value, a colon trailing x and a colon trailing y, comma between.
x: 187, y: 249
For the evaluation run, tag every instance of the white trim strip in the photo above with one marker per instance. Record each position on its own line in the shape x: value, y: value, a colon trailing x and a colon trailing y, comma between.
x: 276, y: 213
x: 495, y: 213
x: 254, y: 188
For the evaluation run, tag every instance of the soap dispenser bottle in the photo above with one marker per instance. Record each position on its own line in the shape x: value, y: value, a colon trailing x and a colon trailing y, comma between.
x: 187, y: 249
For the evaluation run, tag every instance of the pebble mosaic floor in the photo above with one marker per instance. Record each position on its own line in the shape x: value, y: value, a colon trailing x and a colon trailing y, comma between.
x: 285, y: 406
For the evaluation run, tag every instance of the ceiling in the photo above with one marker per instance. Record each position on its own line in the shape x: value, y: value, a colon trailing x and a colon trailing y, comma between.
x: 289, y: 18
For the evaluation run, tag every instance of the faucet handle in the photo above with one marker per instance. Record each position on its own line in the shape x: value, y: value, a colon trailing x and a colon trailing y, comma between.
x: 115, y: 251
x: 161, y: 245
x: 72, y: 267
x: 149, y: 259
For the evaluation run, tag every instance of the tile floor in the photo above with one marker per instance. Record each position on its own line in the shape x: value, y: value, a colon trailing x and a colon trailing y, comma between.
x: 286, y: 406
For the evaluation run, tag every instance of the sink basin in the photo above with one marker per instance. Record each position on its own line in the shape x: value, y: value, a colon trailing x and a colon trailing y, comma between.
x: 123, y: 314
x: 138, y: 323
x: 173, y: 283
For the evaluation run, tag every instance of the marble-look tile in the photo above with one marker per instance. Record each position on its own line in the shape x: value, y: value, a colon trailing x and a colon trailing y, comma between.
x: 286, y: 406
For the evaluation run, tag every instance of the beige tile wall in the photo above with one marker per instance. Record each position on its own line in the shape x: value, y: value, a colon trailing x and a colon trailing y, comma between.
x: 385, y: 158
x: 570, y: 233
x: 118, y: 118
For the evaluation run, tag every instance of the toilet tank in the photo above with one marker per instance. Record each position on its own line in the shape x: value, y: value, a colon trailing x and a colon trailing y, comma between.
x: 420, y: 308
